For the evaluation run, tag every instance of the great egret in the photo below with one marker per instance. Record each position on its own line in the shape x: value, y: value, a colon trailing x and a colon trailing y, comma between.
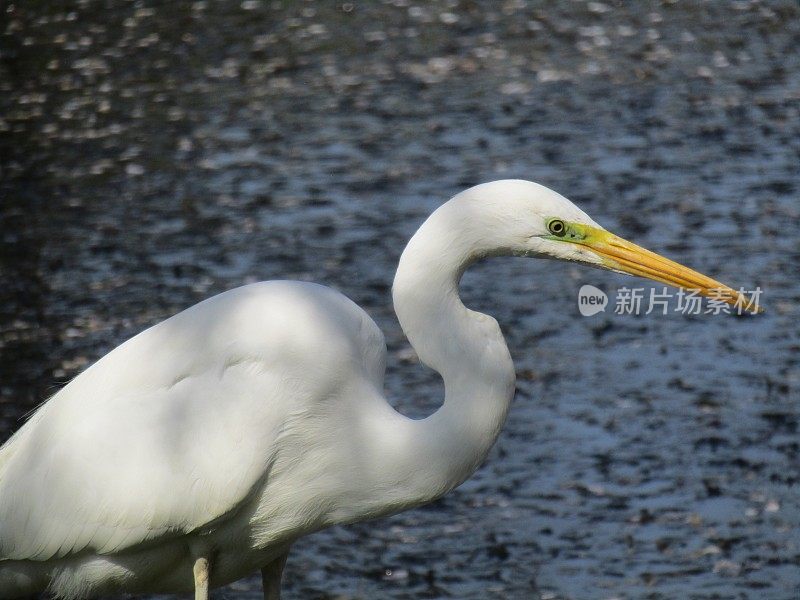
x: 196, y: 452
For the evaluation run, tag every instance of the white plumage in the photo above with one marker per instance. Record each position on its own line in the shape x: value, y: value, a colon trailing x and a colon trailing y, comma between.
x: 205, y: 445
x: 178, y: 428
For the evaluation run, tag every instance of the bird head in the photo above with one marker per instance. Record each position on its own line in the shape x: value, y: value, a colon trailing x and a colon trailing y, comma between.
x: 533, y: 220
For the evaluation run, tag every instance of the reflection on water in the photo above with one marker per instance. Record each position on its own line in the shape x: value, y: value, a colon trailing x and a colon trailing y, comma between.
x: 154, y: 154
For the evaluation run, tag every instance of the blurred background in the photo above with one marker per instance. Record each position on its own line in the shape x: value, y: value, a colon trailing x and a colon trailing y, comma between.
x: 155, y: 153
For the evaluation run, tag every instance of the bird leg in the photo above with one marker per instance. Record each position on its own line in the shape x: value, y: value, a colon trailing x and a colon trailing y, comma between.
x: 271, y: 577
x: 201, y: 572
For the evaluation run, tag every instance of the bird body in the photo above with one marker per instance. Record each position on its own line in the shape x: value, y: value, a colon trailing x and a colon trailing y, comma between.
x: 237, y: 446
x: 199, y: 450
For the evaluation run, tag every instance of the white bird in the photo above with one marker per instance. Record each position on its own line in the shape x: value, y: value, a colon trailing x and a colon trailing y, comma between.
x: 196, y: 452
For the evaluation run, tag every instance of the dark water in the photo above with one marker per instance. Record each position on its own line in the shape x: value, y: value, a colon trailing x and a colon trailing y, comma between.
x: 156, y: 153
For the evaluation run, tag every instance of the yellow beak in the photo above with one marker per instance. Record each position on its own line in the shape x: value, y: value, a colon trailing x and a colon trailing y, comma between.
x: 621, y: 255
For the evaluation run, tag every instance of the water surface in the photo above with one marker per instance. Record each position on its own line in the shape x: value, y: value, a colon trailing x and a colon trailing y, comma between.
x: 155, y: 154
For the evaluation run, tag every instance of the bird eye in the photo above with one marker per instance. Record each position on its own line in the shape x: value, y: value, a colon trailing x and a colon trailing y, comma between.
x: 557, y: 227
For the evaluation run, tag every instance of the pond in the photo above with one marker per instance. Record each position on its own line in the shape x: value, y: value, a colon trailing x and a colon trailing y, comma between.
x: 154, y: 154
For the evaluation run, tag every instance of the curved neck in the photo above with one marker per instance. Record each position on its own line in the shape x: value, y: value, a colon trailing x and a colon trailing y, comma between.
x: 464, y: 346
